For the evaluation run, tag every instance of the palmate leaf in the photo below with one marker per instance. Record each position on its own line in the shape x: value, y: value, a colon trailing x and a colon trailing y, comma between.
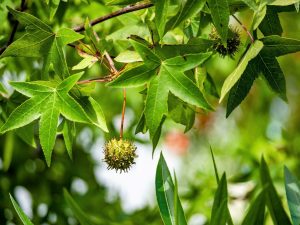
x: 167, y: 197
x: 47, y: 101
x: 292, y: 189
x: 163, y: 76
x: 40, y: 41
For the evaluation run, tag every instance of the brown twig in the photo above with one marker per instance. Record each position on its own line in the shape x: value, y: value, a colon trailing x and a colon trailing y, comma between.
x: 245, y: 29
x: 14, y: 29
x: 127, y: 9
x: 101, y: 79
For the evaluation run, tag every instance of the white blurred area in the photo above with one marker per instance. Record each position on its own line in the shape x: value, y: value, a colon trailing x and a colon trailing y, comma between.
x: 136, y: 188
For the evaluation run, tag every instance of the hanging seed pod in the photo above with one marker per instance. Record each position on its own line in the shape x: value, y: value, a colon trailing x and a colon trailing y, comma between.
x: 233, y: 42
x: 119, y: 154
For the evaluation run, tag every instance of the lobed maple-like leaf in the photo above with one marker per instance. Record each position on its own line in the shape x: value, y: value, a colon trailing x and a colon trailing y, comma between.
x: 163, y: 76
x: 47, y: 101
x: 40, y: 41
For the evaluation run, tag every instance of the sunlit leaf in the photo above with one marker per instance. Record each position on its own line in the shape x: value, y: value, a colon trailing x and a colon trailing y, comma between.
x: 165, y: 189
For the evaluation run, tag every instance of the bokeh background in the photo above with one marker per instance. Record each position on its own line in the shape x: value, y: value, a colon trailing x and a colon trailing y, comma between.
x: 264, y: 125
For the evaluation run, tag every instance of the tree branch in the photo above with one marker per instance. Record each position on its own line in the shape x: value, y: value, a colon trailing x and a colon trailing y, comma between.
x: 127, y: 9
x: 101, y: 79
x: 14, y: 29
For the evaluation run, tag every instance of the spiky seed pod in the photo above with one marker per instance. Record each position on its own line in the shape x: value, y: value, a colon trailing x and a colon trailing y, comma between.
x: 233, y: 42
x: 119, y: 154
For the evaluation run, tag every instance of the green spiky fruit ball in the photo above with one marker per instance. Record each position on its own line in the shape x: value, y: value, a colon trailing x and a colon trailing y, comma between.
x: 232, y: 45
x: 119, y: 154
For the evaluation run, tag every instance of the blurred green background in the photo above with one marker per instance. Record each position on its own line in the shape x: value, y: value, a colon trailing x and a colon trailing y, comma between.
x: 263, y: 125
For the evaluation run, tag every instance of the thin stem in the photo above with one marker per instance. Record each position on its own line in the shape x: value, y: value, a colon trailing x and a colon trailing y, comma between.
x: 111, y: 63
x: 127, y: 9
x: 101, y: 80
x: 14, y: 29
x: 123, y: 113
x: 245, y: 28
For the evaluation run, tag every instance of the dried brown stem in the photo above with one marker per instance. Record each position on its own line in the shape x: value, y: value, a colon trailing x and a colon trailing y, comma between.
x: 127, y: 9
x: 101, y: 80
x: 245, y: 29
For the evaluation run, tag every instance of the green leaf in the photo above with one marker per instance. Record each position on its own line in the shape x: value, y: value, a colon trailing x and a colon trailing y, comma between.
x: 8, y: 150
x: 215, y: 166
x: 47, y: 101
x: 252, y: 4
x: 165, y: 192
x: 128, y: 57
x: 292, y: 188
x: 95, y: 113
x: 25, y: 220
x: 161, y: 13
x: 68, y: 36
x: 149, y: 57
x: 259, y: 15
x: 284, y: 2
x: 3, y: 91
x: 277, y: 46
x: 180, y: 112
x: 26, y: 133
x: 141, y: 125
x: 37, y: 40
x: 137, y: 76
x: 156, y: 103
x: 194, y: 46
x: 274, y: 204
x: 242, y: 87
x: 270, y: 25
x: 40, y: 41
x: 220, y: 212
x: 77, y: 211
x: 170, y: 77
x: 210, y: 86
x: 239, y: 70
x: 53, y: 5
x: 190, y: 8
x: 220, y: 15
x: 272, y: 72
x: 68, y: 132
x: 256, y: 212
